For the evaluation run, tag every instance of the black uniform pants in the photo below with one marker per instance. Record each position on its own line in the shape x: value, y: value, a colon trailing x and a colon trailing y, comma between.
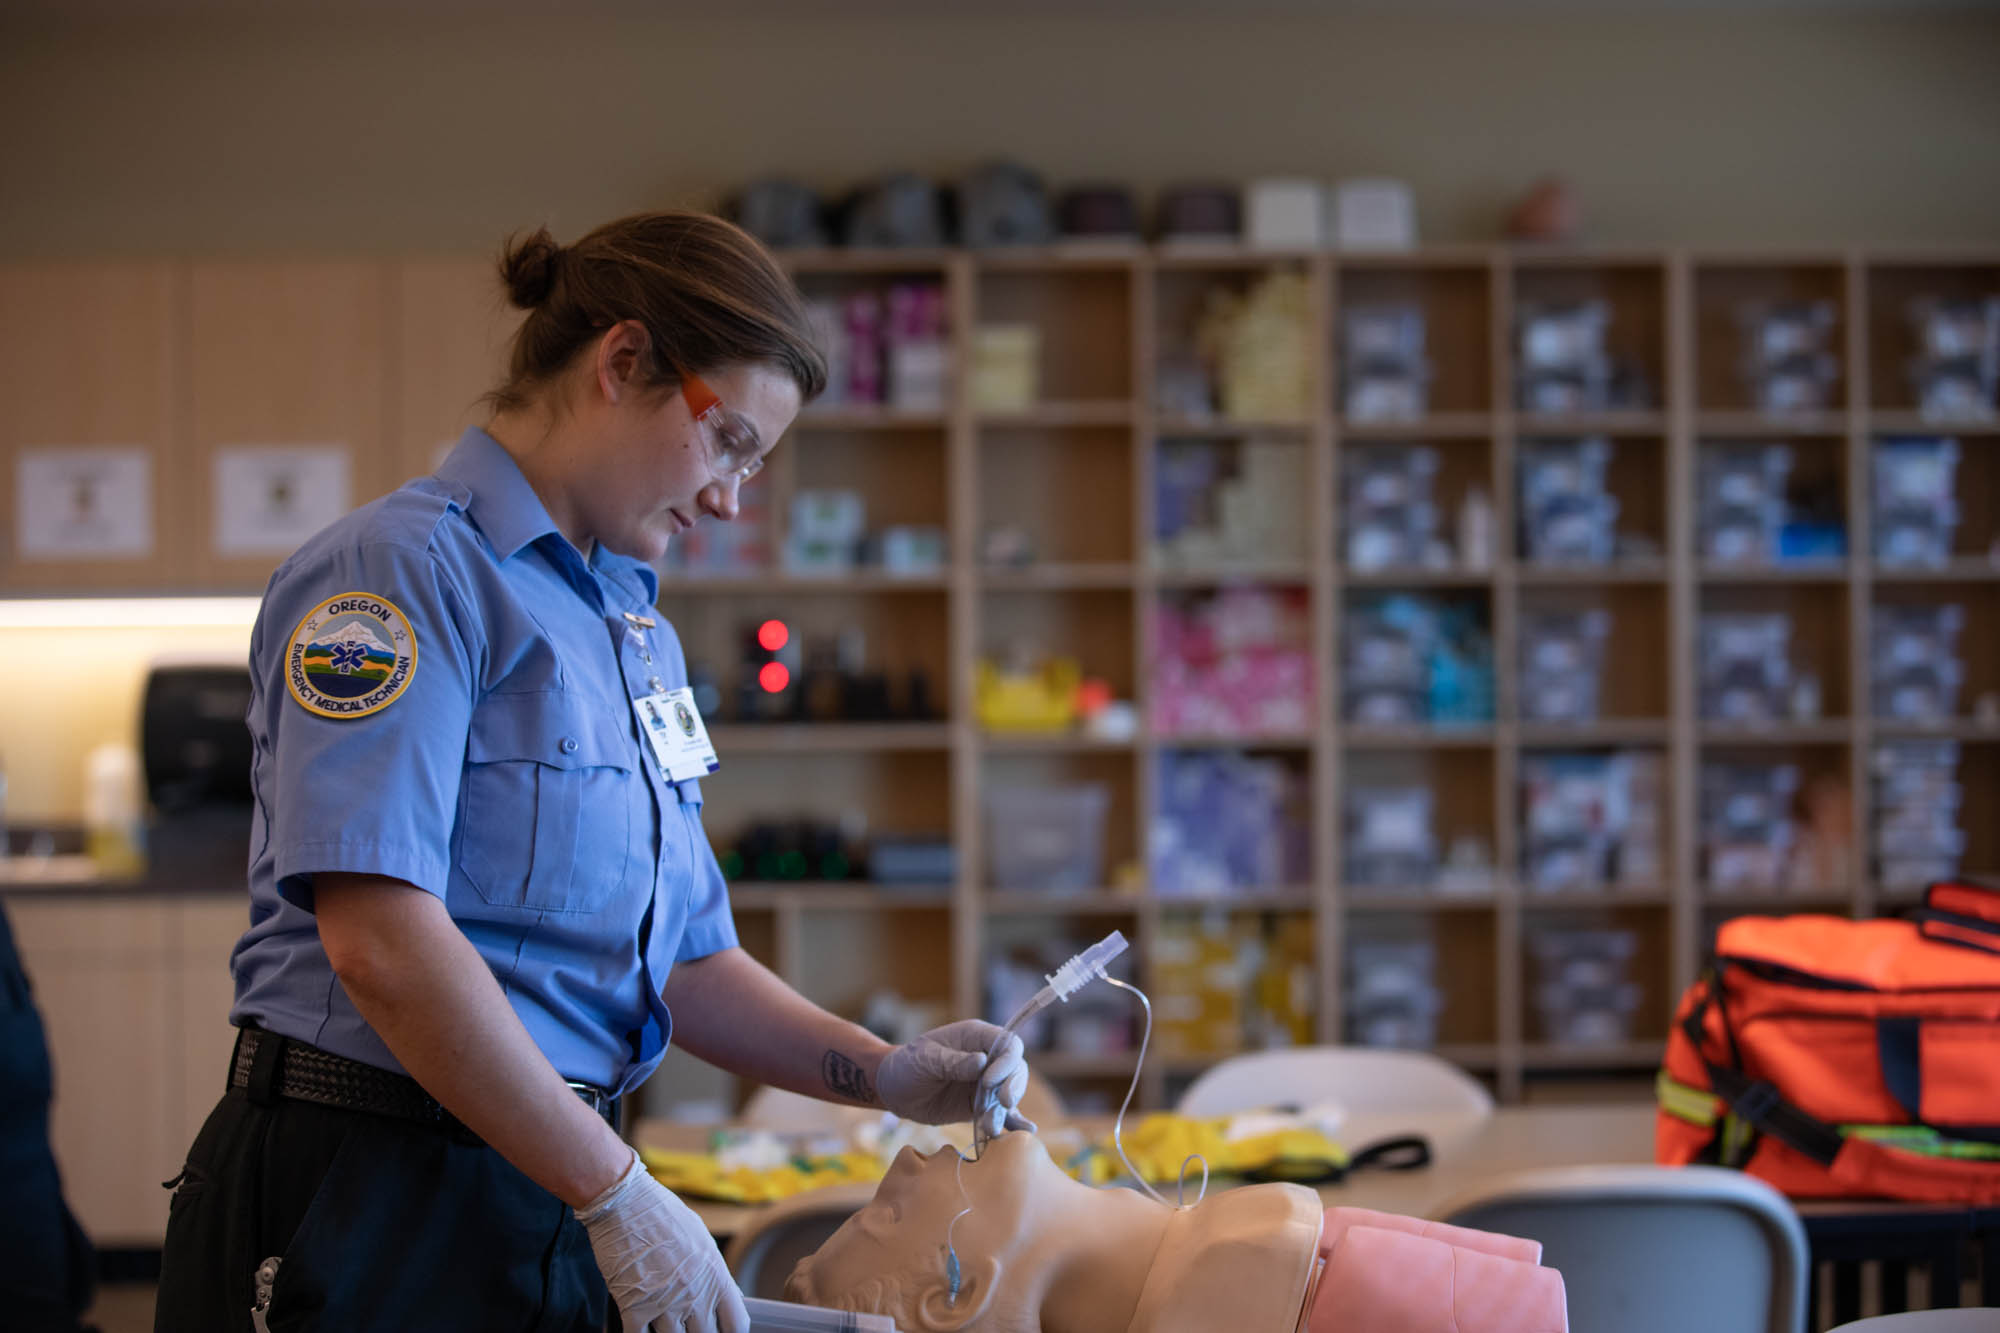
x: 378, y: 1223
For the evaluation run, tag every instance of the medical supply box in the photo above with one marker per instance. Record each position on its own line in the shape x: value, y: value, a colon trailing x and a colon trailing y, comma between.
x: 1839, y: 1058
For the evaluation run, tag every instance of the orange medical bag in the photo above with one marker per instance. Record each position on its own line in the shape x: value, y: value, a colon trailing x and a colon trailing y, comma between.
x: 1839, y: 1058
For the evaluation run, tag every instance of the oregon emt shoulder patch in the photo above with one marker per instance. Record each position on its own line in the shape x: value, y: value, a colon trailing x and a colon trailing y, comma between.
x: 351, y: 656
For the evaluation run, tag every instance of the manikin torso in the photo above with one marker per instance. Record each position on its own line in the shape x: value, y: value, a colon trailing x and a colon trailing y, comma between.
x: 1038, y: 1251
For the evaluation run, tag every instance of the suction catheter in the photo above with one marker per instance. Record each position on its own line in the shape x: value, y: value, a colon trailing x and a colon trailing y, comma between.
x: 1067, y: 980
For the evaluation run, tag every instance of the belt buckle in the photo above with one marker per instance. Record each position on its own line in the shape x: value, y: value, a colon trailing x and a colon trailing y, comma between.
x: 593, y: 1097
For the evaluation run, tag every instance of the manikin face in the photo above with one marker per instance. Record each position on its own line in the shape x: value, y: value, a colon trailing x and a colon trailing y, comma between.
x: 890, y: 1256
x: 657, y: 470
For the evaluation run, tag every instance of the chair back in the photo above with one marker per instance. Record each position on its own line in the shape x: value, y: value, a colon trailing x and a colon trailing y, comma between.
x: 761, y: 1256
x: 1985, y: 1320
x: 1361, y: 1080
x: 1653, y: 1249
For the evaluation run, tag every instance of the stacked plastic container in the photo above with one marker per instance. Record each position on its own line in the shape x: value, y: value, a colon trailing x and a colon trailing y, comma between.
x: 1226, y: 823
x: 1957, y: 368
x: 1235, y: 664
x: 1568, y: 516
x: 1390, y: 838
x: 1740, y: 501
x: 1584, y: 992
x: 1391, y: 994
x: 1788, y: 362
x: 1745, y: 667
x: 1747, y: 828
x: 1914, y: 501
x: 1562, y: 364
x: 1408, y: 660
x: 1591, y: 820
x: 1917, y: 802
x: 1562, y: 664
x: 1386, y: 374
x: 1046, y: 839
x: 1915, y: 671
x: 1389, y: 516
x: 1219, y: 504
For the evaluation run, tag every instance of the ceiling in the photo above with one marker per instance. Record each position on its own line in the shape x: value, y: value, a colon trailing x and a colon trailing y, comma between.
x: 116, y: 10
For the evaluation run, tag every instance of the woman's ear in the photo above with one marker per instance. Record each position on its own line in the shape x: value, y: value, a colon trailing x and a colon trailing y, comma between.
x: 978, y: 1278
x: 621, y: 359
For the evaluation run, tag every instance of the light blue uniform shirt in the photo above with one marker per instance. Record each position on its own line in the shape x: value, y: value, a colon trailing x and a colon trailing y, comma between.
x: 508, y: 776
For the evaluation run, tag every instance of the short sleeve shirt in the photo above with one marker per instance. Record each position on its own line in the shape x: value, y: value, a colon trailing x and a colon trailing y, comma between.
x: 442, y: 692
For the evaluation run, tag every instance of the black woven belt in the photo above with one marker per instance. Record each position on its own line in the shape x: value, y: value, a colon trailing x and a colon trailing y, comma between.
x: 308, y: 1074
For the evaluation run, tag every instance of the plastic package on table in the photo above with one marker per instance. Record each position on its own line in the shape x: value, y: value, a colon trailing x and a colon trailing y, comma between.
x: 1046, y: 839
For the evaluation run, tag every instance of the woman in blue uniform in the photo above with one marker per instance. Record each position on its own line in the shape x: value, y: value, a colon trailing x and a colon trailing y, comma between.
x: 481, y: 899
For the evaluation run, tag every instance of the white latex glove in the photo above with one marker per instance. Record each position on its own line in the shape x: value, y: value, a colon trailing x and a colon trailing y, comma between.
x: 944, y: 1077
x: 661, y: 1264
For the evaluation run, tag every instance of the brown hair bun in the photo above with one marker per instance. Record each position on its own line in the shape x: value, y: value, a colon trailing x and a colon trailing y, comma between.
x: 528, y: 267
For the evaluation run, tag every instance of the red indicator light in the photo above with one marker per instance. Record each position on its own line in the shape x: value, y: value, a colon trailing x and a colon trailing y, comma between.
x: 773, y: 635
x: 773, y: 677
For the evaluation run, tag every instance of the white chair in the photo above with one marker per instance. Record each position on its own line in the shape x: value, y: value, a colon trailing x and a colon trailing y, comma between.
x: 774, y: 1239
x: 1655, y: 1249
x: 1985, y: 1320
x: 1361, y: 1080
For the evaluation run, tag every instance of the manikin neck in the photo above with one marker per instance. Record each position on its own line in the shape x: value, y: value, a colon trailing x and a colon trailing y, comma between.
x: 1096, y: 1287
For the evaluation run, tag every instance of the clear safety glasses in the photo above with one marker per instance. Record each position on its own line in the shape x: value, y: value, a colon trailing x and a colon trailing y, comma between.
x: 733, y: 444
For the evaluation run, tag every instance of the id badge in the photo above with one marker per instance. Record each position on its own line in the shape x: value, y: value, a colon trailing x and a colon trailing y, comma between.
x: 674, y: 730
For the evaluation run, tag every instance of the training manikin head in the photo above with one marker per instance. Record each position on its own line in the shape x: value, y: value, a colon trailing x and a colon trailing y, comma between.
x: 1041, y: 1252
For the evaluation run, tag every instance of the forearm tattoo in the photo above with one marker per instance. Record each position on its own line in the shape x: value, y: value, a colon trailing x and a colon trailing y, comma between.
x: 846, y: 1079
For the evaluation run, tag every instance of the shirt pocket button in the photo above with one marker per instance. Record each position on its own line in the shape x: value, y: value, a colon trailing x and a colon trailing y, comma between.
x: 568, y: 745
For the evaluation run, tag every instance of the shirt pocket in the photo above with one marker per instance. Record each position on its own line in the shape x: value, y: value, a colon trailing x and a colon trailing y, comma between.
x: 545, y: 815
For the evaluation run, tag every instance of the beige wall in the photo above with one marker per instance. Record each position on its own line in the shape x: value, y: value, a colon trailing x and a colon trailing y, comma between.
x: 73, y: 689
x: 372, y: 134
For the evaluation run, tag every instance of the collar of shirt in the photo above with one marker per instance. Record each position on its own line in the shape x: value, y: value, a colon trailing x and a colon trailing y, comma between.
x: 506, y: 508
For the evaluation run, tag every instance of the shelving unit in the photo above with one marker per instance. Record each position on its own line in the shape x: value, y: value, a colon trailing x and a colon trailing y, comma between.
x: 1077, y: 473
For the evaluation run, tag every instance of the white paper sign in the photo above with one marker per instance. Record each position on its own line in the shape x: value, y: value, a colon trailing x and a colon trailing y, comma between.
x: 84, y: 503
x: 270, y: 498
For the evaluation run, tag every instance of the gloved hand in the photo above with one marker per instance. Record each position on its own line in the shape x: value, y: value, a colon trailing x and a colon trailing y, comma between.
x: 944, y: 1077
x: 662, y: 1266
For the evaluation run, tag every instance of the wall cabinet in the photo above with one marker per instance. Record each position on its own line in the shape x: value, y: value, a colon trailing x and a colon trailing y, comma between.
x: 230, y: 379
x: 90, y: 360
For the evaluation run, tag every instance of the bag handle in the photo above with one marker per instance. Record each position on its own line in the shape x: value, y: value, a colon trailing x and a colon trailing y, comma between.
x: 1756, y: 1101
x: 1964, y: 912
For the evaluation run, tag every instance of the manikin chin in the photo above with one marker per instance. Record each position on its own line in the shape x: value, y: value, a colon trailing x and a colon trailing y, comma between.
x: 1040, y: 1253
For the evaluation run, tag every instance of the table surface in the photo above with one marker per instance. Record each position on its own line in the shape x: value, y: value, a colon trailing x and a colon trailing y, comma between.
x: 1465, y: 1150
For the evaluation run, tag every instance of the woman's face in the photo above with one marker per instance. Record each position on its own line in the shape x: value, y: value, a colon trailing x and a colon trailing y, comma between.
x: 659, y: 470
